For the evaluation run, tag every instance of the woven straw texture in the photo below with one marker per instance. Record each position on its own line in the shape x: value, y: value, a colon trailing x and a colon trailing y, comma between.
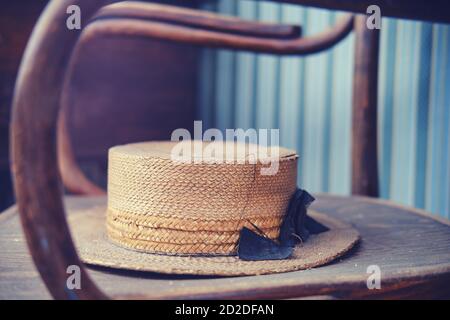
x: 94, y: 247
x: 158, y: 205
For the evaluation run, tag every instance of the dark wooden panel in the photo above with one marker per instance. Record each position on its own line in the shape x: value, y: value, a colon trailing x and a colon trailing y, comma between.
x: 17, y: 19
x: 411, y: 249
x: 126, y: 90
x: 143, y: 108
x: 364, y: 117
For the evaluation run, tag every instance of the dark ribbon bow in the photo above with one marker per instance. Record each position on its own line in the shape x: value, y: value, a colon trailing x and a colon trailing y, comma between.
x: 296, y: 227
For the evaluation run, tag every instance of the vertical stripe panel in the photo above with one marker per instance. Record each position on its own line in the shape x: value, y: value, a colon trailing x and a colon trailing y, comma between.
x: 246, y: 75
x: 341, y: 116
x: 402, y: 135
x: 445, y: 182
x: 225, y: 77
x: 267, y: 81
x: 206, y: 82
x: 315, y: 101
x: 386, y: 102
x: 435, y: 141
x: 291, y: 89
x: 422, y: 93
x: 310, y: 100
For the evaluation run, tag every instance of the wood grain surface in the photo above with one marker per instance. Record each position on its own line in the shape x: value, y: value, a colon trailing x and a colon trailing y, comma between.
x: 411, y: 248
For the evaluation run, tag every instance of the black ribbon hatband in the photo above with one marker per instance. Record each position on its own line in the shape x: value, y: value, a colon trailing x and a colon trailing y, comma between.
x: 296, y: 227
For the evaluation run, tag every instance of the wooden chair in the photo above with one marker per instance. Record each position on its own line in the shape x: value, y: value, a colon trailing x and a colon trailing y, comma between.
x: 140, y: 19
x: 401, y: 241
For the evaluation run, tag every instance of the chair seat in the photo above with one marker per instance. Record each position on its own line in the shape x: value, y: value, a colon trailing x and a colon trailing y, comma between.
x: 411, y: 248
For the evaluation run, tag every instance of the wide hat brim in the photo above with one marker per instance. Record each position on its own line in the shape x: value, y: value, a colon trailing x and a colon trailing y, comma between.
x: 88, y: 227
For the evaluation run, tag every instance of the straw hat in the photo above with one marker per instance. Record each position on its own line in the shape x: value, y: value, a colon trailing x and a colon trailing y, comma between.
x: 181, y: 207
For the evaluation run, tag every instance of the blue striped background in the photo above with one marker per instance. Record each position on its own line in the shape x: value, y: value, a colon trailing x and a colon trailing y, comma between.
x: 309, y: 99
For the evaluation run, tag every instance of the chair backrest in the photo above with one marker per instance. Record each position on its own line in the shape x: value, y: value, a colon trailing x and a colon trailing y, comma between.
x: 137, y: 20
x: 36, y: 106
